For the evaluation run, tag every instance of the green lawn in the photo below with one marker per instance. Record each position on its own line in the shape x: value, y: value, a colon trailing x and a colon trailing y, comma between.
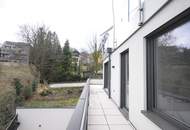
x: 51, y: 103
x: 59, y: 97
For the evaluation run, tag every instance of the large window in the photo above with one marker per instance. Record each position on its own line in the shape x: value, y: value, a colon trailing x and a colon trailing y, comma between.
x: 169, y: 73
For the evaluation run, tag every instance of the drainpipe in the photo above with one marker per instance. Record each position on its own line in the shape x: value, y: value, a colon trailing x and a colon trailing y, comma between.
x: 141, y: 12
x: 113, y: 15
x: 109, y: 51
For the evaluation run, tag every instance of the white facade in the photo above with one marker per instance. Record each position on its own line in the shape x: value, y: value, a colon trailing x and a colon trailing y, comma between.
x: 129, y: 35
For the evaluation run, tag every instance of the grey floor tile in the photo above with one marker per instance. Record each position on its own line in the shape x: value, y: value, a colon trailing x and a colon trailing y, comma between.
x: 94, y: 106
x: 94, y: 112
x: 117, y: 120
x: 103, y: 112
x: 112, y: 112
x: 98, y: 127
x: 97, y: 120
x: 121, y: 127
x: 108, y: 105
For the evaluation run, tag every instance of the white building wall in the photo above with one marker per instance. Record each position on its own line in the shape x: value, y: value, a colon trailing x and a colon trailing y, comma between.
x: 151, y: 6
x: 124, y: 27
x: 115, y: 78
x: 137, y: 63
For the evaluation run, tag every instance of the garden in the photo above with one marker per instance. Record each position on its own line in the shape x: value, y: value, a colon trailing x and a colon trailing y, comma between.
x: 39, y: 95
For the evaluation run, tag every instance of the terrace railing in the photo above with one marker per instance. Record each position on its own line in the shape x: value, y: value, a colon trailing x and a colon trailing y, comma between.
x: 13, y: 124
x: 79, y: 119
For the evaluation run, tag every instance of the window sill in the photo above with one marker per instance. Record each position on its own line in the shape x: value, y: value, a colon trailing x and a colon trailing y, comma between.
x: 159, y: 121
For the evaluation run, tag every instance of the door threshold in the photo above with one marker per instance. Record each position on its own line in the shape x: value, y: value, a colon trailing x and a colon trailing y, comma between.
x: 125, y: 113
x: 106, y: 90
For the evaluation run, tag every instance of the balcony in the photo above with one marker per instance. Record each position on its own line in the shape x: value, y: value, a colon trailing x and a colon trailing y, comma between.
x: 95, y: 111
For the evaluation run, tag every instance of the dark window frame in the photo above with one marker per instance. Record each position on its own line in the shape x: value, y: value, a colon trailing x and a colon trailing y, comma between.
x: 106, y: 73
x: 151, y: 64
x: 123, y: 76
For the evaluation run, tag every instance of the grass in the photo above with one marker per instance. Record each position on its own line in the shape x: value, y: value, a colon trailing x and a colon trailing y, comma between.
x: 59, y: 98
x: 59, y: 103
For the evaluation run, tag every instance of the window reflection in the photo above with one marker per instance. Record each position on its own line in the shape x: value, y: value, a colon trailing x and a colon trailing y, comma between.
x: 173, y: 73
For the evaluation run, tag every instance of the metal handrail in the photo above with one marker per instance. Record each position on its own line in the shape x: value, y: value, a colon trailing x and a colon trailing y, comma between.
x: 13, y: 125
x: 79, y: 119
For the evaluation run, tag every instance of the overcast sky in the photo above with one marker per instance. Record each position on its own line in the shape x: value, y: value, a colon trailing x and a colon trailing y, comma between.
x: 76, y: 20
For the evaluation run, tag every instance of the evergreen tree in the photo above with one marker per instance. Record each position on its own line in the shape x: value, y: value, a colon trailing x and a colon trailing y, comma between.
x: 66, y: 61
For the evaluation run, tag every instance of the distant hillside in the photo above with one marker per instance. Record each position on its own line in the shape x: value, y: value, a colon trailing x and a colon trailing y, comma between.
x: 10, y: 71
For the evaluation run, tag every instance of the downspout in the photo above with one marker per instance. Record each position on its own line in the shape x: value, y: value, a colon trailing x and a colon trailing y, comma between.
x: 141, y: 12
x: 113, y: 14
x: 109, y: 50
x: 109, y: 75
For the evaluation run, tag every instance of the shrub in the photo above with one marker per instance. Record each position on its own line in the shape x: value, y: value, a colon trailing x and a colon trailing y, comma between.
x: 18, y: 87
x: 34, y: 85
x: 69, y: 91
x: 7, y: 106
x: 27, y: 93
x: 80, y: 91
x: 19, y: 100
x: 46, y: 92
x: 75, y: 78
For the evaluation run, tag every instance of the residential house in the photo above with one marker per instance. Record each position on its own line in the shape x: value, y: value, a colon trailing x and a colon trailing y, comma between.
x: 85, y: 64
x: 76, y: 56
x: 75, y: 60
x: 147, y: 71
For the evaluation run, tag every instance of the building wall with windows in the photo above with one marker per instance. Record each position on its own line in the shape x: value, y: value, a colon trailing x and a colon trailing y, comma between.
x: 14, y: 52
x: 132, y: 37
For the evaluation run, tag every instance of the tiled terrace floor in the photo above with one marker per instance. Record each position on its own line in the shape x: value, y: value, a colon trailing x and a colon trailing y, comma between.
x: 103, y: 113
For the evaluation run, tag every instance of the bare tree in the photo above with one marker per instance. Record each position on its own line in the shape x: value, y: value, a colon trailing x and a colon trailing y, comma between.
x: 44, y: 49
x: 29, y: 33
x: 96, y: 54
